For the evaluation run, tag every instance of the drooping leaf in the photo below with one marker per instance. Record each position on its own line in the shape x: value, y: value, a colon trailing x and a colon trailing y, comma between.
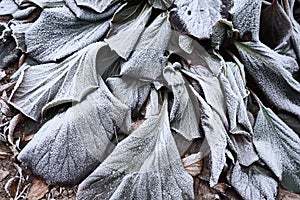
x: 185, y: 113
x: 72, y: 144
x: 132, y: 92
x: 148, y: 60
x: 279, y: 147
x: 215, y: 135
x: 8, y: 48
x: 145, y: 165
x: 267, y: 68
x: 88, y: 14
x: 161, y: 4
x: 8, y: 7
x: 246, y: 18
x: 253, y: 182
x: 58, y: 33
x: 234, y: 87
x: 43, y: 86
x: 275, y: 27
x: 126, y: 27
x: 197, y: 17
x: 98, y: 5
x: 246, y: 153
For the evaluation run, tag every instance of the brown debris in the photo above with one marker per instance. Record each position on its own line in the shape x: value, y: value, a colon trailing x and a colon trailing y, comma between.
x: 38, y: 189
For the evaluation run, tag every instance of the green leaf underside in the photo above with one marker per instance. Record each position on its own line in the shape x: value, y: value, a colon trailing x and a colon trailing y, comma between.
x: 58, y: 33
x: 72, y: 144
x: 279, y: 147
x: 127, y: 25
x: 245, y: 18
x: 145, y: 165
x: 185, y: 115
x: 148, y: 60
x: 44, y: 86
x: 253, y: 182
x: 276, y: 83
x: 198, y: 17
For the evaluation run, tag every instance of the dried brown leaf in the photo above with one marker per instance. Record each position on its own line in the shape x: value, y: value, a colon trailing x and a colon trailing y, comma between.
x: 3, y: 174
x: 38, y: 189
x: 12, y: 185
x: 11, y: 127
x: 193, y: 164
x: 5, y: 152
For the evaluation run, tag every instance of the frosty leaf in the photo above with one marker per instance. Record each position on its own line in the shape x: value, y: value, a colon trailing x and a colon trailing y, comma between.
x: 246, y: 17
x: 48, y: 3
x: 8, y: 7
x: 161, y: 4
x: 98, y: 5
x: 266, y: 67
x: 132, y: 92
x: 279, y: 147
x: 47, y: 85
x: 215, y: 134
x: 148, y: 60
x: 253, y: 182
x: 8, y: 48
x: 236, y: 107
x: 58, y: 33
x: 185, y: 115
x: 70, y: 146
x: 246, y: 153
x: 197, y: 17
x: 145, y: 165
x: 88, y: 14
x: 126, y: 27
x: 275, y: 27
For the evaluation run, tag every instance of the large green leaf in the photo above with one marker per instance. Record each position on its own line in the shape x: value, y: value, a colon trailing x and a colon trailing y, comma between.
x: 279, y: 147
x: 127, y: 25
x: 47, y: 85
x: 58, y: 33
x: 253, y: 182
x: 145, y: 165
x: 148, y: 60
x: 267, y: 69
x: 246, y: 18
x: 70, y: 146
x: 197, y: 17
x: 185, y: 113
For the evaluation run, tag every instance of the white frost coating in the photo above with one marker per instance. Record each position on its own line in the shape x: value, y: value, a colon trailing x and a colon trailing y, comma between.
x: 48, y: 85
x: 185, y: 113
x: 148, y: 60
x: 132, y: 92
x: 97, y: 5
x: 145, y: 165
x: 246, y: 18
x: 253, y: 182
x: 279, y: 147
x: 126, y: 28
x: 47, y: 3
x: 72, y: 144
x: 58, y: 33
x: 161, y: 4
x: 236, y: 107
x: 215, y: 135
x: 267, y: 69
x: 198, y: 16
x: 8, y: 7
